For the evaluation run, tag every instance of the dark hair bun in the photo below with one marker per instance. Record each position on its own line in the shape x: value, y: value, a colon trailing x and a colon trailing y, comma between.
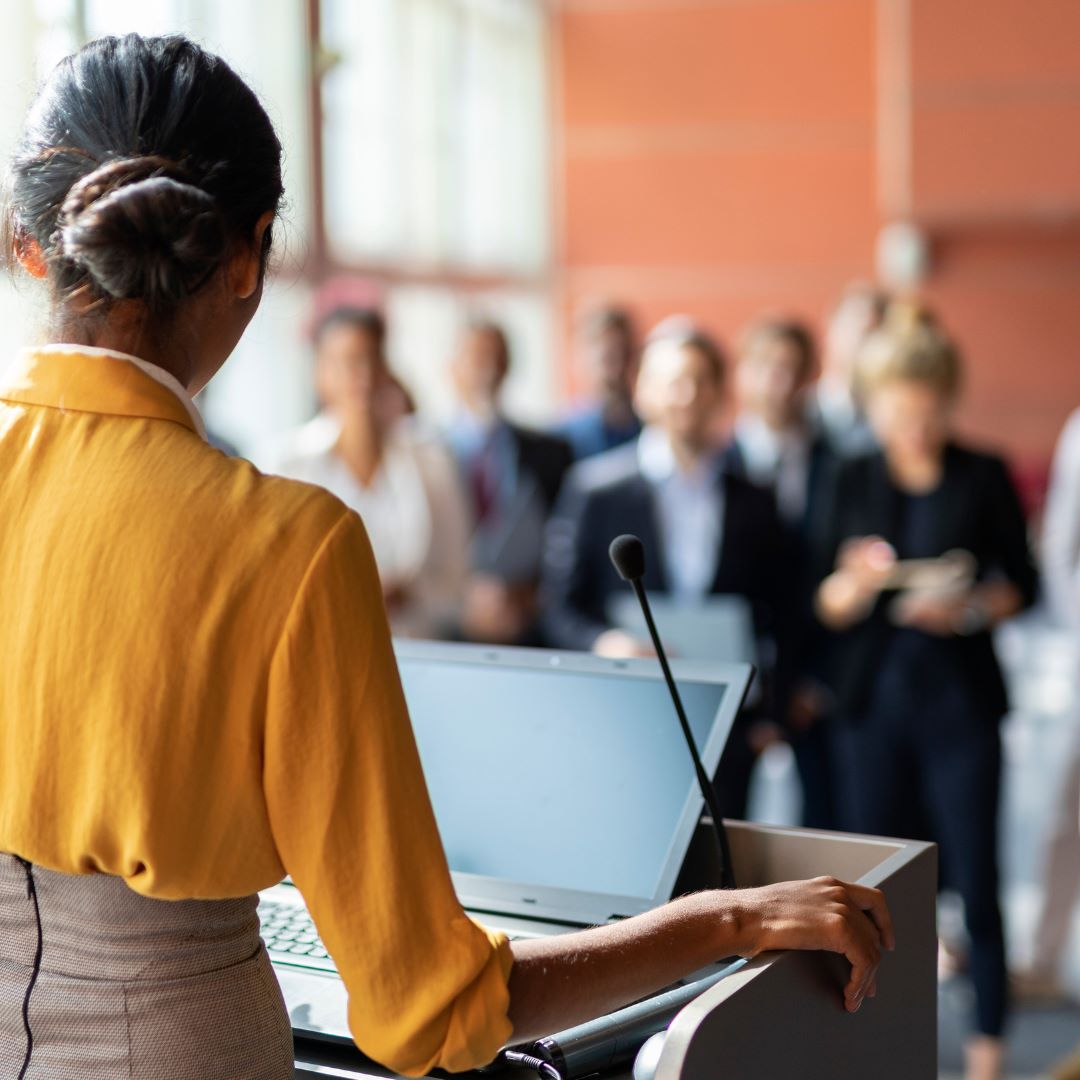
x: 140, y: 231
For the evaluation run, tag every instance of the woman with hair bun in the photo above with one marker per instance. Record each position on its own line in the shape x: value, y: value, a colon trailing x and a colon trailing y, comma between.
x: 924, y: 551
x: 200, y: 692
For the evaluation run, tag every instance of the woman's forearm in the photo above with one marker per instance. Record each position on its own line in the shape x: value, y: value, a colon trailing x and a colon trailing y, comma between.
x: 561, y: 981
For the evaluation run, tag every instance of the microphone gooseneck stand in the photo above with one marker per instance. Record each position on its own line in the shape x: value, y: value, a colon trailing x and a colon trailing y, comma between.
x: 628, y: 557
x: 603, y: 1043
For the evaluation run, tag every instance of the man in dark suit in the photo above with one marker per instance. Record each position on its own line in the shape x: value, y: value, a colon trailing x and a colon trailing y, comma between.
x: 705, y: 530
x: 779, y: 445
x: 513, y: 475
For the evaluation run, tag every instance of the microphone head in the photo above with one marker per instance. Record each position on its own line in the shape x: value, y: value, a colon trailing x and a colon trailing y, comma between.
x: 628, y: 556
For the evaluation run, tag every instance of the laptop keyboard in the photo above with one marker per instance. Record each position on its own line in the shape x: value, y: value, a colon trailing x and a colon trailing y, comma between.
x: 290, y: 936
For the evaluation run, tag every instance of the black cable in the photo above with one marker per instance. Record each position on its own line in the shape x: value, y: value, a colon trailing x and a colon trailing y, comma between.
x: 529, y: 1061
x: 31, y: 894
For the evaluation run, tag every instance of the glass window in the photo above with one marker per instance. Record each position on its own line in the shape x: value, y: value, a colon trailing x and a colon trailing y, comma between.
x: 435, y: 134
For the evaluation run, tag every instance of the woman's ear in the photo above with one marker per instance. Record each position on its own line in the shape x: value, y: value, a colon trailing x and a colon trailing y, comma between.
x: 245, y: 269
x: 28, y: 252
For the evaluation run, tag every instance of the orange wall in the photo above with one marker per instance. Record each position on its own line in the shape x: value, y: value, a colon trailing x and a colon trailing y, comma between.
x: 724, y: 157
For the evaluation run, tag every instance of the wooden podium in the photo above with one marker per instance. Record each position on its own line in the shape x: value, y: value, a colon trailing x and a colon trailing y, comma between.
x: 782, y: 1016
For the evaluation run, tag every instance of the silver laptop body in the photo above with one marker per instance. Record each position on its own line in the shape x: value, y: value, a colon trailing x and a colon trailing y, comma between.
x: 583, y: 755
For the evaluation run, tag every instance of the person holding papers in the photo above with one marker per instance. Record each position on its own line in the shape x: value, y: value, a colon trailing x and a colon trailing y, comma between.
x: 919, y: 692
x: 200, y: 694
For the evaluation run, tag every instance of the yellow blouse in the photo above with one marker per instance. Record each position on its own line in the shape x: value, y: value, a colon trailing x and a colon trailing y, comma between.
x: 200, y: 696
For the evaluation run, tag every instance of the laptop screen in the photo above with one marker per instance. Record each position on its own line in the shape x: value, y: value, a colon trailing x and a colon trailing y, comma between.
x: 570, y: 779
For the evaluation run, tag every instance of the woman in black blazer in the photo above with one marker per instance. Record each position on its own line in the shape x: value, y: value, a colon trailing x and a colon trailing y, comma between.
x: 918, y: 688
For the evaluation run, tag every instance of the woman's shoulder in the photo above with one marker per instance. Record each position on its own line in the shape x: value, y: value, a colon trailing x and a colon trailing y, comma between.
x: 867, y: 466
x: 280, y: 515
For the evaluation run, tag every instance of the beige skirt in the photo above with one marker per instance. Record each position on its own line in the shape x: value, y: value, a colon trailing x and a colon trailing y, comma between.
x: 135, y: 988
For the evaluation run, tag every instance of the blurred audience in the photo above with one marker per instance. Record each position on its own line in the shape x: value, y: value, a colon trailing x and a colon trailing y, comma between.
x: 608, y: 354
x: 876, y: 551
x: 836, y: 402
x: 1061, y: 581
x: 778, y: 445
x: 513, y: 477
x: 920, y: 695
x: 398, y: 477
x: 705, y: 531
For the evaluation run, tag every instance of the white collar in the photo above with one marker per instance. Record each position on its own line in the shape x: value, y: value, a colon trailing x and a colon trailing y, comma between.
x: 656, y: 459
x: 158, y: 374
x: 763, y: 440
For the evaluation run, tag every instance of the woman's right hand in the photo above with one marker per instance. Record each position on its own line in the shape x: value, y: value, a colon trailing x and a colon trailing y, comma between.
x: 561, y: 981
x: 826, y: 914
x: 864, y: 566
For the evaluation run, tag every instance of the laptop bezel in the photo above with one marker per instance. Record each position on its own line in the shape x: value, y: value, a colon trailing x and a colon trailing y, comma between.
x: 546, y: 903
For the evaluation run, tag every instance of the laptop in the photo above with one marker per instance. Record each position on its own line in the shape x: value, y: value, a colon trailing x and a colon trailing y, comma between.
x: 713, y: 628
x: 599, y: 830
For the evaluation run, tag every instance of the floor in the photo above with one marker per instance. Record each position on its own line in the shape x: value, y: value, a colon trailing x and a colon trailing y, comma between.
x: 1043, y: 665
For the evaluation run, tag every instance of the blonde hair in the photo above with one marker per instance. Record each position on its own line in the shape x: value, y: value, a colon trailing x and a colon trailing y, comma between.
x: 909, y: 345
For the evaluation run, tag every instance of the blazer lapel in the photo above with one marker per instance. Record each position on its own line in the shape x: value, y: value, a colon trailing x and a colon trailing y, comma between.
x: 953, y: 508
x: 733, y: 460
x: 729, y: 530
x: 651, y: 535
x: 886, y: 509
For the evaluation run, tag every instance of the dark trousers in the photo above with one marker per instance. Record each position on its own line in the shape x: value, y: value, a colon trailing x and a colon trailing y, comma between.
x: 812, y: 758
x: 732, y: 779
x: 928, y: 766
x: 813, y: 761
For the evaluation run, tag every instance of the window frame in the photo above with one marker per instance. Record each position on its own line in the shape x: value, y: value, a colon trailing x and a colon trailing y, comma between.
x: 320, y: 264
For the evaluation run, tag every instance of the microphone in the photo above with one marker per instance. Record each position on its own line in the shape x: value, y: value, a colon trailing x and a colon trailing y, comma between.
x: 627, y: 554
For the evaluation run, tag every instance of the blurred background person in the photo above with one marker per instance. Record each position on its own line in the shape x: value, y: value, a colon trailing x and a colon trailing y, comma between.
x: 608, y: 355
x: 920, y: 695
x: 835, y: 400
x: 778, y: 445
x: 396, y: 475
x: 1061, y: 868
x: 706, y: 531
x: 513, y: 475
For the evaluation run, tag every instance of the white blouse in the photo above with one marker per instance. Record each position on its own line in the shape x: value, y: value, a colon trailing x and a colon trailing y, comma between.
x: 414, y: 511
